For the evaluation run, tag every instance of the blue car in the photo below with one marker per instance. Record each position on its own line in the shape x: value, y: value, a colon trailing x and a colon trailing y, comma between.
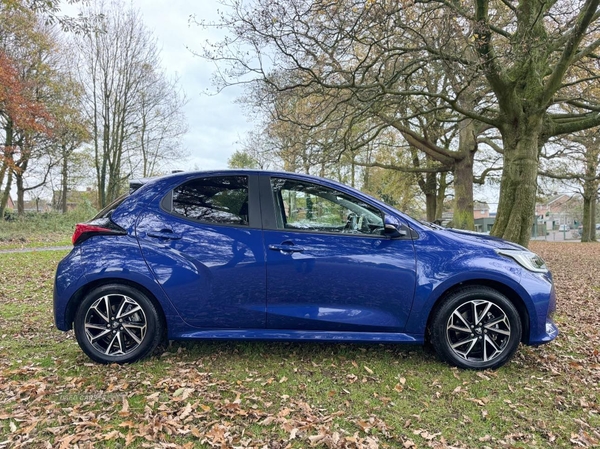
x: 264, y: 255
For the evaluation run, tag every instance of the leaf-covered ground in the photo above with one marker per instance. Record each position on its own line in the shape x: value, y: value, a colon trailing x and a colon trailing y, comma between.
x: 279, y: 395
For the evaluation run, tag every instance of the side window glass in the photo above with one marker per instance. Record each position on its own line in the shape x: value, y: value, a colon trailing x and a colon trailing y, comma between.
x: 311, y: 207
x: 220, y: 200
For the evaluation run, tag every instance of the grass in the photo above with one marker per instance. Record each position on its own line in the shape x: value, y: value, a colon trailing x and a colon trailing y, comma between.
x: 278, y: 395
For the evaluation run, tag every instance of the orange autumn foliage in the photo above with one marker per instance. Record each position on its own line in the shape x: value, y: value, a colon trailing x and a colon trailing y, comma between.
x: 16, y: 104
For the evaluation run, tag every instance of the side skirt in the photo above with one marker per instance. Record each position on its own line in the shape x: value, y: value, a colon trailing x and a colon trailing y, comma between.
x: 291, y: 335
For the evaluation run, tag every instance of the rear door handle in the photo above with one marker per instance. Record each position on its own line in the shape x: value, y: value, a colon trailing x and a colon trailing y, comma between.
x: 164, y: 234
x: 287, y: 248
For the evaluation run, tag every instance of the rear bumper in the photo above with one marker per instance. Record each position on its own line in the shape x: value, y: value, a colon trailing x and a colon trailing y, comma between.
x: 68, y: 276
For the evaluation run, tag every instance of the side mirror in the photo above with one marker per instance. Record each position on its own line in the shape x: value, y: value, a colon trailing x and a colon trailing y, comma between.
x: 393, y: 227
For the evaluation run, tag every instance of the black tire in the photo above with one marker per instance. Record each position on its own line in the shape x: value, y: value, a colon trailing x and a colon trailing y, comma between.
x: 476, y: 328
x: 117, y: 323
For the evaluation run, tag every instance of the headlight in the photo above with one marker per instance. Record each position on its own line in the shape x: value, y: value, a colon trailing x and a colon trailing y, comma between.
x: 526, y: 259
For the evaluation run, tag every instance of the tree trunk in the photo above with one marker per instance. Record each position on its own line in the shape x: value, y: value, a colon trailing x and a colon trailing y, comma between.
x: 19, y: 172
x: 20, y: 194
x: 516, y: 206
x: 588, y: 233
x: 64, y: 177
x: 463, y: 179
x: 430, y: 192
x: 463, y: 193
x: 428, y: 185
x: 3, y: 200
x: 590, y: 193
x: 441, y: 195
x: 8, y: 142
x: 6, y: 193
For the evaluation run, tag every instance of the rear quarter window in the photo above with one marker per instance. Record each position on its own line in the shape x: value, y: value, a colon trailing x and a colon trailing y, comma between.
x: 218, y: 199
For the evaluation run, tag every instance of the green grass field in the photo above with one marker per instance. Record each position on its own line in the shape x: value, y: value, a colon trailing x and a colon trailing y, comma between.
x: 280, y: 395
x: 42, y: 229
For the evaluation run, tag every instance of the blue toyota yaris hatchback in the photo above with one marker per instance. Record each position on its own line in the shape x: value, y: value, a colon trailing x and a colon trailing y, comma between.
x: 280, y: 256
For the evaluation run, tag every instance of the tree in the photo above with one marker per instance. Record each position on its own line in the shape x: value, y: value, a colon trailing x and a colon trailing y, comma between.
x: 308, y: 132
x: 395, y: 187
x: 285, y: 137
x: 159, y: 124
x: 134, y: 111
x: 241, y: 159
x: 70, y: 131
x: 345, y: 129
x: 50, y: 11
x: 529, y: 54
x: 26, y: 48
x: 591, y: 189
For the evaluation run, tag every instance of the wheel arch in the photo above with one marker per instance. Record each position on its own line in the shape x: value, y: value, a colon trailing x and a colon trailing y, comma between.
x: 78, y: 296
x: 511, y: 294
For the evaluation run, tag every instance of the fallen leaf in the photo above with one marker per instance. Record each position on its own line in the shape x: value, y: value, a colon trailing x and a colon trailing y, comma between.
x: 186, y: 411
x: 125, y: 407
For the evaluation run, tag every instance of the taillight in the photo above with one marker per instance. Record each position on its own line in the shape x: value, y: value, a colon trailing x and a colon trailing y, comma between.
x: 83, y: 231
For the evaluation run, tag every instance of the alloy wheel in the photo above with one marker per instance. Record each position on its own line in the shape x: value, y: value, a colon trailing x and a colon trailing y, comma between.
x: 478, y: 331
x: 115, y: 325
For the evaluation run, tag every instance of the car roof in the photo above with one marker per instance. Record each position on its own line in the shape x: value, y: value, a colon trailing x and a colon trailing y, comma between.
x: 136, y: 183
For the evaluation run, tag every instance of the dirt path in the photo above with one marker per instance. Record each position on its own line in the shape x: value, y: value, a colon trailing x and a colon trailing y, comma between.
x: 32, y: 250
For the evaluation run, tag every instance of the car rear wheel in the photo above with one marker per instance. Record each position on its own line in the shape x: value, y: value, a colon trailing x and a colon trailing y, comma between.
x: 117, y: 324
x: 476, y: 328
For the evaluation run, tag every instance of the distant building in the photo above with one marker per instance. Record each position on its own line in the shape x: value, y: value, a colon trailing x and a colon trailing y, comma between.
x: 484, y: 219
x: 481, y: 210
x: 484, y: 224
x: 74, y: 198
x: 557, y: 211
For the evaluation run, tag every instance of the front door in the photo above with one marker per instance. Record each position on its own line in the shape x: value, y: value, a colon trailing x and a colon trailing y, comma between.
x: 330, y: 265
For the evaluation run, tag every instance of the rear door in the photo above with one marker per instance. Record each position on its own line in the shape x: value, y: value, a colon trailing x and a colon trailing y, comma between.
x: 329, y: 265
x: 203, y: 243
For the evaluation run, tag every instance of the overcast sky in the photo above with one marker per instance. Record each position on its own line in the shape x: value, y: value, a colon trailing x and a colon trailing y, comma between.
x: 216, y: 122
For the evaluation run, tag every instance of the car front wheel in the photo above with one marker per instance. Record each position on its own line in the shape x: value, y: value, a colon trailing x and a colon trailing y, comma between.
x: 117, y: 324
x: 476, y: 328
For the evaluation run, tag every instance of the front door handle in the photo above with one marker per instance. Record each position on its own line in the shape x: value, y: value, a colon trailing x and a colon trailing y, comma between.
x: 287, y: 248
x: 167, y: 234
